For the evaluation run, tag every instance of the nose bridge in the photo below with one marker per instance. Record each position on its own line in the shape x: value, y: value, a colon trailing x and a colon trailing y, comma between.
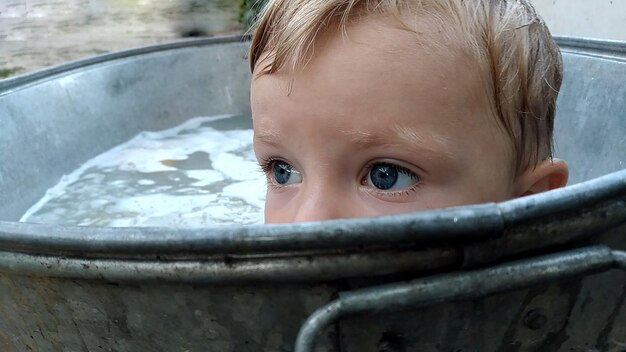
x: 325, y: 201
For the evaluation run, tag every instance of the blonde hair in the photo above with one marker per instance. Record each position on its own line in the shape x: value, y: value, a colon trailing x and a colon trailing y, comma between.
x: 520, y: 61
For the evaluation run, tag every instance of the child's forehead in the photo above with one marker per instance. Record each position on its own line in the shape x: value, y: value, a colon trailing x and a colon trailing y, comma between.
x: 399, y: 34
x: 387, y: 37
x: 377, y: 55
x: 376, y: 69
x: 377, y: 51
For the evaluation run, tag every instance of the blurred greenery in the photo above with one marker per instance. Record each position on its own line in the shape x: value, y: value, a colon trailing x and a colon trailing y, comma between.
x: 249, y: 10
x: 6, y: 72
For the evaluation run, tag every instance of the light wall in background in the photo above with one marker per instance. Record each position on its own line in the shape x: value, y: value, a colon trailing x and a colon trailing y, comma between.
x: 605, y: 19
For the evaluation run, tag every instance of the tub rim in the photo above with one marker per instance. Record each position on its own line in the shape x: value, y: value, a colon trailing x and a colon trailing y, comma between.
x: 446, y: 239
x: 609, y: 49
x: 19, y: 81
x: 463, y: 236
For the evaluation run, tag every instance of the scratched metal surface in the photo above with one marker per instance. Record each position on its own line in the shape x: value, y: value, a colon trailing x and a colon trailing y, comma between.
x: 576, y: 314
x: 45, y: 314
x: 238, y: 289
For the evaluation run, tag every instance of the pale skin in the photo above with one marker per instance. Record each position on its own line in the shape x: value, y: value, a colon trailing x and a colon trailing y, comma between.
x: 375, y: 124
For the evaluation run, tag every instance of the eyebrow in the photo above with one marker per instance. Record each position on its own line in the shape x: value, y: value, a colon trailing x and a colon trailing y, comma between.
x: 418, y: 142
x: 267, y: 136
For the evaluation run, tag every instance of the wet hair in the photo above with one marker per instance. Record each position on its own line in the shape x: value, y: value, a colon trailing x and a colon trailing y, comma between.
x: 519, y: 61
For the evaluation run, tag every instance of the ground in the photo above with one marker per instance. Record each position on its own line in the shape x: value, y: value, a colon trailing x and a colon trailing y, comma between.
x: 40, y: 33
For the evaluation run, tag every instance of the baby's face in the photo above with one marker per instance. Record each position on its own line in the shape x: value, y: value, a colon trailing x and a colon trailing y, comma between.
x: 377, y: 124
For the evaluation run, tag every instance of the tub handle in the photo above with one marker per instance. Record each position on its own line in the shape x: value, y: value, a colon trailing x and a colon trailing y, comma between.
x: 460, y: 286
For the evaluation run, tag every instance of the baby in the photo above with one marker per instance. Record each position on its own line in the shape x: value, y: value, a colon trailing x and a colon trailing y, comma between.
x: 372, y: 107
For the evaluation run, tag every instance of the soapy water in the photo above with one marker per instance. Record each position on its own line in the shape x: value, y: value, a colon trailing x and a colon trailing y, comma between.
x: 187, y: 176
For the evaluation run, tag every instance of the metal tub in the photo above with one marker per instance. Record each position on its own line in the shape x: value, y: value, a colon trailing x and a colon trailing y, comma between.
x: 536, y: 273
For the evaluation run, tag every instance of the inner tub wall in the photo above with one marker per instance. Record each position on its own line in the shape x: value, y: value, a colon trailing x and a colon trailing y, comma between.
x: 54, y: 120
x: 590, y: 127
x: 52, y: 125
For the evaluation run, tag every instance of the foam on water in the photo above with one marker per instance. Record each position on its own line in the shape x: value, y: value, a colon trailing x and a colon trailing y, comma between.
x: 190, y: 175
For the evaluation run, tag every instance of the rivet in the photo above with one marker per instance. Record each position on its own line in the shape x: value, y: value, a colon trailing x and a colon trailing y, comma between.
x: 535, y: 319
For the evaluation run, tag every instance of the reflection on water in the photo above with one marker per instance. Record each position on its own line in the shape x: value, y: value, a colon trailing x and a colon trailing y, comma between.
x: 195, y: 174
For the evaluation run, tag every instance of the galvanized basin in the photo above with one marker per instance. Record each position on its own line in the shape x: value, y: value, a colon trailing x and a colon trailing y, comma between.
x: 251, y: 288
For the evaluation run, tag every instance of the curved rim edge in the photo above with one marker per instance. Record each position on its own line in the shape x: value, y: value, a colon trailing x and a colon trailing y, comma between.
x: 463, y: 224
x: 45, y: 73
x: 602, y: 48
x: 581, y: 43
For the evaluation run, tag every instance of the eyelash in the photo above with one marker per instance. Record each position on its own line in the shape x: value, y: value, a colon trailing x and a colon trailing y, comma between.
x: 402, y: 169
x: 401, y: 192
x: 266, y: 167
x: 266, y: 164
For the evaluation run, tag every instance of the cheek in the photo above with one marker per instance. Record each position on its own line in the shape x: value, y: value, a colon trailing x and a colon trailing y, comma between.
x: 489, y: 184
x: 279, y: 207
x: 370, y: 205
x: 493, y: 183
x: 271, y: 216
x: 489, y: 177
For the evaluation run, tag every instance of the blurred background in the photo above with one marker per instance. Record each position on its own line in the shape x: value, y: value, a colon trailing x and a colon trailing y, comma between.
x: 40, y: 33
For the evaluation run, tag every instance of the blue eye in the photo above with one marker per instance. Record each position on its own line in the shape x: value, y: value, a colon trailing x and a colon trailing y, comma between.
x: 390, y: 177
x: 285, y: 174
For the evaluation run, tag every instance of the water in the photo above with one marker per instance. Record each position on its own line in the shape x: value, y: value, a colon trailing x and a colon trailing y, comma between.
x: 190, y: 175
